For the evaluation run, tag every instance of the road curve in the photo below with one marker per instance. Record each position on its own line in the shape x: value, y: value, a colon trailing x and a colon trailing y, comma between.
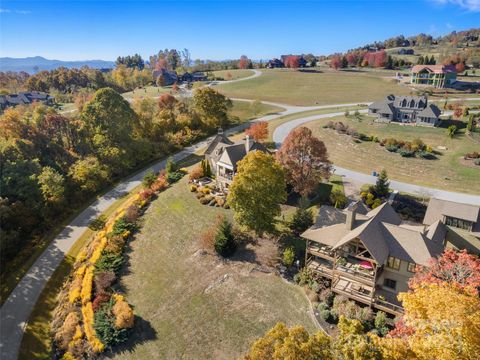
x: 281, y: 132
x: 16, y: 310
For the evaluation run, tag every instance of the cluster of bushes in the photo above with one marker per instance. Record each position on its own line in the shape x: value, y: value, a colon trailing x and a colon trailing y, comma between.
x: 91, y: 315
x: 409, y: 208
x: 342, y: 128
x: 221, y: 238
x: 205, y: 196
x: 331, y: 307
x: 201, y: 170
x: 408, y: 148
x: 475, y: 156
x: 373, y: 195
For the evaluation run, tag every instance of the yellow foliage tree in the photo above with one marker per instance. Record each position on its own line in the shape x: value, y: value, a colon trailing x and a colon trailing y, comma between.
x: 445, y: 319
x: 124, y: 317
x: 290, y: 344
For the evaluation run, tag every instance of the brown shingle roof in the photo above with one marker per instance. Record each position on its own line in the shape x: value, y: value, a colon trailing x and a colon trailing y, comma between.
x: 438, y: 208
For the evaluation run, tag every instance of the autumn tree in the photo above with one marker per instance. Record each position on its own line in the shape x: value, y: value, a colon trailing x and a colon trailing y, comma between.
x: 89, y: 174
x: 305, y: 160
x: 244, y: 62
x: 292, y: 61
x: 212, y: 107
x: 52, y: 185
x: 281, y: 343
x: 257, y: 191
x: 445, y: 319
x: 453, y: 267
x: 258, y: 131
x: 336, y: 62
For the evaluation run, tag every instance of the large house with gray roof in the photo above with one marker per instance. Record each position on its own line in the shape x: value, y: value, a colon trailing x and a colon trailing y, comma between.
x: 223, y: 155
x: 413, y: 110
x: 369, y: 256
x: 25, y: 98
x: 462, y: 223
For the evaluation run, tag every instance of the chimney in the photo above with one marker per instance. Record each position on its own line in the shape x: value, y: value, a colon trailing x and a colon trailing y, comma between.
x: 247, y: 144
x: 351, y: 212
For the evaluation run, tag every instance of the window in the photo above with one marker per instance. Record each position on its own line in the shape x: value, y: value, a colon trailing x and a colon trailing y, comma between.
x: 458, y: 223
x: 393, y: 263
x: 411, y: 267
x: 392, y: 284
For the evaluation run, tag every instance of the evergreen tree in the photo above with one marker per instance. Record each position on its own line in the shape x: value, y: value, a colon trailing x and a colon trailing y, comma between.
x: 382, y: 186
x: 420, y: 60
x: 171, y: 166
x: 224, y: 241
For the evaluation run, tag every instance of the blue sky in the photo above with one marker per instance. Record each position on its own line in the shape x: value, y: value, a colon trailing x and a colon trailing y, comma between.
x: 80, y: 30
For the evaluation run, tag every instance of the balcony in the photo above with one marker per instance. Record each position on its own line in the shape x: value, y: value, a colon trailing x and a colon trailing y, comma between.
x: 320, y: 250
x: 321, y: 266
x: 351, y: 269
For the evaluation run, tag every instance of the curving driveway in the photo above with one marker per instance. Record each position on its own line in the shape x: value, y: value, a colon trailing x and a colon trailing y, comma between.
x: 16, y: 310
x: 284, y: 129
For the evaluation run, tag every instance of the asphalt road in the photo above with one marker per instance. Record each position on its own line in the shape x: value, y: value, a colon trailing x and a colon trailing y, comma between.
x: 16, y: 310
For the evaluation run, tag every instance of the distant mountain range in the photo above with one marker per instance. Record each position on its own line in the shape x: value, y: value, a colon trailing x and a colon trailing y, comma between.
x: 37, y: 63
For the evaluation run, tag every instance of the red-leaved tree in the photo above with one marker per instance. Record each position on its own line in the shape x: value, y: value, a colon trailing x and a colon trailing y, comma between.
x: 305, y: 160
x: 292, y: 61
x: 457, y: 267
x: 161, y: 64
x: 258, y: 131
x: 244, y: 62
x: 336, y: 62
x: 167, y: 102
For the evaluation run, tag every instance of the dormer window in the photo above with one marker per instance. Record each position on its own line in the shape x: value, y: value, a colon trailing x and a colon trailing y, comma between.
x: 412, y: 104
x: 404, y: 103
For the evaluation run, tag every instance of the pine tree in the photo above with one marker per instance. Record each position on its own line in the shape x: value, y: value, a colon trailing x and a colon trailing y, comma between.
x: 382, y: 186
x: 224, y: 240
x: 420, y: 60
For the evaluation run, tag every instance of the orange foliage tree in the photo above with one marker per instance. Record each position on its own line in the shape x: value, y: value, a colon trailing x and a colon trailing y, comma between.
x: 258, y: 131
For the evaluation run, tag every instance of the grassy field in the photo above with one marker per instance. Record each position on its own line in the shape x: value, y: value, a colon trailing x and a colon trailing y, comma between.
x: 232, y: 74
x: 244, y: 111
x: 147, y: 91
x: 194, y: 305
x: 446, y: 172
x: 311, y: 88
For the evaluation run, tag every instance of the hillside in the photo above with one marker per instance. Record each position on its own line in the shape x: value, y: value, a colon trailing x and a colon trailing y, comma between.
x: 38, y: 63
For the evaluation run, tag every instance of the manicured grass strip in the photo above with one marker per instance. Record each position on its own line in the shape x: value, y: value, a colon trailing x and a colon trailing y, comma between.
x: 235, y: 74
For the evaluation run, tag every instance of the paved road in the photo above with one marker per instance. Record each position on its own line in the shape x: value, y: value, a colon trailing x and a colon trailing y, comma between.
x: 284, y: 129
x: 16, y: 310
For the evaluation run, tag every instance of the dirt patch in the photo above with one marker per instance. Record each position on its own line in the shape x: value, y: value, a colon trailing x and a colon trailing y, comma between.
x: 468, y: 162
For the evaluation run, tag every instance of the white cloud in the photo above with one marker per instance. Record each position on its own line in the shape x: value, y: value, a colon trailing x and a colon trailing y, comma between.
x: 20, y: 12
x: 450, y: 26
x: 470, y: 5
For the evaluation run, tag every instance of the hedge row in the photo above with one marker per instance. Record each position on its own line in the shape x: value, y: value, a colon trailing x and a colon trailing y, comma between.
x: 90, y: 314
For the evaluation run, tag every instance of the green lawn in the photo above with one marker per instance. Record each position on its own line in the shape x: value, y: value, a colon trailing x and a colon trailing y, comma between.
x: 311, y: 88
x: 446, y: 172
x: 232, y: 74
x: 147, y: 91
x: 185, y: 308
x: 244, y: 111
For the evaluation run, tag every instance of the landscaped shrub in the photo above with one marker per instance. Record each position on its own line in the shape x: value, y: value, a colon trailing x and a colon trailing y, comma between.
x: 426, y: 155
x: 173, y: 177
x: 146, y: 194
x: 200, y: 195
x: 325, y: 314
x: 100, y: 299
x: 196, y: 173
x: 380, y: 323
x: 149, y: 179
x: 391, y: 148
x: 115, y: 244
x: 327, y: 296
x: 109, y: 262
x: 67, y: 331
x: 103, y: 280
x: 406, y: 153
x: 338, y: 198
x: 105, y: 328
x: 322, y: 306
x: 304, y: 276
x: 476, y: 161
x: 132, y: 213
x: 224, y: 240
x: 193, y: 188
x: 302, y: 219
x: 288, y: 256
x: 376, y: 203
x: 124, y: 317
x: 121, y: 226
x: 220, y: 201
x: 204, y: 200
x: 343, y: 306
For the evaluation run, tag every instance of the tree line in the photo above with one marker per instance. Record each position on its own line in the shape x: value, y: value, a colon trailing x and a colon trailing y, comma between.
x: 51, y: 164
